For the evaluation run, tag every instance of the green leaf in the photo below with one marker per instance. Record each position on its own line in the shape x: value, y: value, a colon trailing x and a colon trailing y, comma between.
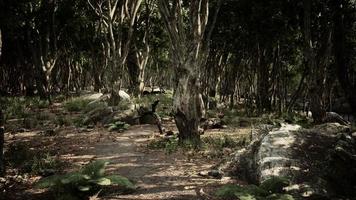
x: 95, y: 169
x: 121, y: 181
x: 84, y: 188
x: 102, y: 181
x: 280, y: 197
x: 48, y: 182
x: 72, y: 178
x: 244, y: 196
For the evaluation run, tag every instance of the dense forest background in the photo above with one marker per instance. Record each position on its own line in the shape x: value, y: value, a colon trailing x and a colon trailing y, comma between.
x: 259, y: 94
x: 270, y: 55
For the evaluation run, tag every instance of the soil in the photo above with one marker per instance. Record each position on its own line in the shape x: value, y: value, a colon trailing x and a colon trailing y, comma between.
x: 157, y: 175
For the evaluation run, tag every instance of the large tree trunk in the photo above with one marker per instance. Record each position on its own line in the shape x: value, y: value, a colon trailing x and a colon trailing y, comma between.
x: 187, y: 105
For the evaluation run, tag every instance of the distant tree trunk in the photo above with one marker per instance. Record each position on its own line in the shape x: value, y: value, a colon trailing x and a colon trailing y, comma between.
x: 2, y: 140
x: 263, y: 97
x: 2, y: 131
x: 340, y: 55
x: 316, y: 89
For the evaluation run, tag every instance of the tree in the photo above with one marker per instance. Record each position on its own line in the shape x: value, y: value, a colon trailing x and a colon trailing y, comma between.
x: 118, y: 19
x: 2, y: 132
x: 188, y: 54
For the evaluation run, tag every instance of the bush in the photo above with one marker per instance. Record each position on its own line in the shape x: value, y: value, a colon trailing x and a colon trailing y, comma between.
x: 19, y: 156
x: 119, y: 126
x: 76, y: 104
x: 271, y: 189
x: 85, y: 182
x: 221, y: 142
x: 169, y: 144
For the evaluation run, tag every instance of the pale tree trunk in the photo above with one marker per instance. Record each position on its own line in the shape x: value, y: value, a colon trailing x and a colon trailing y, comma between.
x: 116, y: 13
x: 189, y: 52
x: 315, y: 90
x: 2, y: 131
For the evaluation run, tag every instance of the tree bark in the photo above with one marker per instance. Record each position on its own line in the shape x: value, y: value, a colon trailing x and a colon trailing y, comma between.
x: 339, y: 51
x: 316, y: 89
x: 2, y: 140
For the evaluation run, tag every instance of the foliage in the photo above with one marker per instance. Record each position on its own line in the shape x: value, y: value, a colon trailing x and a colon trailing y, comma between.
x: 87, y: 181
x: 63, y: 120
x: 20, y: 156
x: 76, y: 104
x: 119, y: 126
x: 169, y: 144
x: 222, y: 142
x: 271, y: 189
x: 94, y: 105
x: 165, y: 102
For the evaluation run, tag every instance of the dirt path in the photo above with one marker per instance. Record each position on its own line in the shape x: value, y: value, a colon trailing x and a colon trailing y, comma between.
x: 157, y: 174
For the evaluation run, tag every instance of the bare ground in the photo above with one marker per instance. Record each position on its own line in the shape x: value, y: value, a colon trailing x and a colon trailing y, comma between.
x: 157, y: 174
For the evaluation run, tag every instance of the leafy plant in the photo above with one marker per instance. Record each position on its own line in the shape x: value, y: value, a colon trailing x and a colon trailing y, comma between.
x: 19, y: 156
x: 169, y: 144
x: 119, y: 126
x: 85, y: 182
x: 271, y: 189
x: 76, y: 104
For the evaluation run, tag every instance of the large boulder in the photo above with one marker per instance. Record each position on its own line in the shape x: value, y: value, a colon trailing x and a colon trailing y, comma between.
x: 320, y: 162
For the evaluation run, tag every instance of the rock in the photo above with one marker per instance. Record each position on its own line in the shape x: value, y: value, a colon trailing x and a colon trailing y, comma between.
x: 49, y: 132
x: 92, y: 97
x: 213, y: 123
x: 169, y: 133
x: 215, y: 173
x: 353, y: 135
x: 332, y: 117
x: 98, y: 114
x: 124, y: 96
x: 273, y: 156
x: 331, y: 129
x: 317, y: 160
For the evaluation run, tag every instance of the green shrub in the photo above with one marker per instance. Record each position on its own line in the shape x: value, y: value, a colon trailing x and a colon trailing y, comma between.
x: 62, y: 120
x: 76, y: 104
x: 271, y: 189
x: 169, y: 144
x: 95, y: 105
x: 119, y: 126
x: 43, y: 164
x: 85, y: 182
x: 221, y: 142
x: 19, y: 156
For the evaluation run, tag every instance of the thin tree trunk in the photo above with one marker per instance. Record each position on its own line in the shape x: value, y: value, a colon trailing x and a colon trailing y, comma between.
x: 339, y: 49
x: 316, y: 90
x: 2, y: 140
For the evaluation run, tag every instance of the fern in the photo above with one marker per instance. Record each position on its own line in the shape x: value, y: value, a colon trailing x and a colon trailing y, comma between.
x: 88, y: 180
x: 271, y: 189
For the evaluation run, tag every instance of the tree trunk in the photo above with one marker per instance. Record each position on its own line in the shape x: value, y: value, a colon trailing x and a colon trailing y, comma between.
x: 2, y: 140
x: 187, y: 106
x: 339, y: 50
x: 316, y: 90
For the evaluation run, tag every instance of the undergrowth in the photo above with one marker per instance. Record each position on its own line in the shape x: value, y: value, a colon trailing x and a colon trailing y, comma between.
x: 89, y: 180
x: 271, y: 189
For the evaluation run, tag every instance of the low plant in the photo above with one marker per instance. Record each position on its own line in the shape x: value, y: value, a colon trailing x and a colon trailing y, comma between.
x: 87, y: 181
x: 271, y: 189
x: 169, y: 144
x: 119, y: 126
x: 76, y: 104
x: 19, y: 156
